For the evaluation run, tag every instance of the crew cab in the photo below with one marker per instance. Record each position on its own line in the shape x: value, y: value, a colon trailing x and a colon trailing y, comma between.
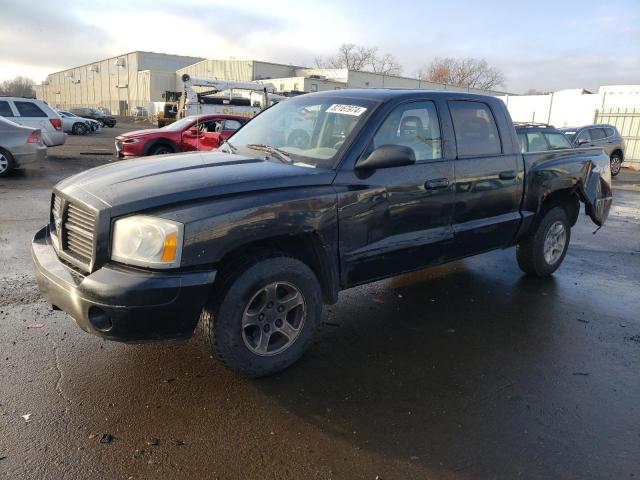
x: 197, y: 132
x: 251, y: 240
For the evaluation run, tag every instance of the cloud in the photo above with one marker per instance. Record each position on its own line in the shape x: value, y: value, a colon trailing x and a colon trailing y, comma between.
x: 49, y: 35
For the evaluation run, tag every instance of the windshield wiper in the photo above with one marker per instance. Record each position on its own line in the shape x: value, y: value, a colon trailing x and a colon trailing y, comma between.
x: 280, y: 154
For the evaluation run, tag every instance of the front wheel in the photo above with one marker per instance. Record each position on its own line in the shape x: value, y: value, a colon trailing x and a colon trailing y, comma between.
x: 541, y: 253
x: 616, y: 164
x: 263, y: 315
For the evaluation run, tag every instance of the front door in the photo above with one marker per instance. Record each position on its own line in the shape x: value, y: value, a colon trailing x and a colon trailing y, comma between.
x: 488, y: 180
x: 203, y: 135
x: 394, y: 220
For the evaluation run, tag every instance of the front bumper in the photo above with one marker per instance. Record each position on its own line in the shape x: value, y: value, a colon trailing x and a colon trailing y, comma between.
x: 121, y: 303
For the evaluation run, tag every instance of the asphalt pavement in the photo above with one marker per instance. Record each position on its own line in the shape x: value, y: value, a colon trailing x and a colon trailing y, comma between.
x: 465, y: 371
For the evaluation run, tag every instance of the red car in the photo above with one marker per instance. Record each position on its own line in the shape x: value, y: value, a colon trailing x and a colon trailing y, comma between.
x: 198, y: 132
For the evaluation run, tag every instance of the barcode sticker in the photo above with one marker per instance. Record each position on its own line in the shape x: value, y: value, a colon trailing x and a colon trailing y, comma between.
x: 354, y: 110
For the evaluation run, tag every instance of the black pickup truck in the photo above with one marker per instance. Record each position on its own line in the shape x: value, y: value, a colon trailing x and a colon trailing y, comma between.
x: 252, y: 239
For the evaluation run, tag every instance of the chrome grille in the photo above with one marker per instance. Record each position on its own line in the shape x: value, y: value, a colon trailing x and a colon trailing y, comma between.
x: 74, y: 229
x: 79, y: 229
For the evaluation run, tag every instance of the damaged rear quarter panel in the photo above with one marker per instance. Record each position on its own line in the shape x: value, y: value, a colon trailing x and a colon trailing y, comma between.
x: 585, y: 171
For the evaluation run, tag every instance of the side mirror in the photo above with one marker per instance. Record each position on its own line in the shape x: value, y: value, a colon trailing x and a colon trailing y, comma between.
x: 192, y: 132
x: 582, y: 141
x: 387, y: 156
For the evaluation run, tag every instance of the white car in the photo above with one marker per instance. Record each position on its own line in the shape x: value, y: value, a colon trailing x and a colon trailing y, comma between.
x: 73, y: 124
x: 35, y: 114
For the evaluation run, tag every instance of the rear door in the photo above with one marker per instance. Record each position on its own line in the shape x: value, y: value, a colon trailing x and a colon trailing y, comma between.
x: 488, y: 178
x: 392, y: 220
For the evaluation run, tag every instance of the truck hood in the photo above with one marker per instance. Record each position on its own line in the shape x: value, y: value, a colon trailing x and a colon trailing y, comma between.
x: 140, y: 184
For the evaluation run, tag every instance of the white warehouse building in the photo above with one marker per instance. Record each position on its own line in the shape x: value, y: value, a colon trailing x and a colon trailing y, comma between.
x: 118, y: 83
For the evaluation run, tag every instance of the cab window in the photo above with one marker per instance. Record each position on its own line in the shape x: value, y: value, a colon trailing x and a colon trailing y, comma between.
x: 414, y: 125
x: 475, y: 129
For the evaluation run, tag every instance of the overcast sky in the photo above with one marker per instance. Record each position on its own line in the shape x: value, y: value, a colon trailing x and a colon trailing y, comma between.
x: 543, y: 45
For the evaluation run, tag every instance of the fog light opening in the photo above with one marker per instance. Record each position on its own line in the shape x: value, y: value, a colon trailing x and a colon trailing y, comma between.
x: 99, y: 319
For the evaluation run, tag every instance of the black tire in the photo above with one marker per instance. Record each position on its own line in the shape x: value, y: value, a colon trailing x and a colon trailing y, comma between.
x: 616, y: 164
x: 222, y: 318
x: 112, y: 125
x: 530, y: 252
x: 79, y: 129
x: 161, y: 149
x: 7, y: 163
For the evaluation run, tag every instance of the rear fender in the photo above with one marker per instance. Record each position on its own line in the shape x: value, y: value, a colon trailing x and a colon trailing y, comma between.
x: 595, y: 189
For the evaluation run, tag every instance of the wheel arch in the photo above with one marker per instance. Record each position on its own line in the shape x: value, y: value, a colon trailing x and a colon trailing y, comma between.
x: 160, y: 141
x: 306, y: 247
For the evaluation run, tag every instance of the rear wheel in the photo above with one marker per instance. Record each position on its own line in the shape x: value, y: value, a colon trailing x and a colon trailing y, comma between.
x: 264, y: 315
x: 6, y: 163
x: 79, y: 129
x: 543, y: 251
x: 616, y: 164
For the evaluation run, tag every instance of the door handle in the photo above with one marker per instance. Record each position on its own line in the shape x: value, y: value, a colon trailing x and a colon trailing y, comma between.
x: 436, y: 183
x: 507, y: 175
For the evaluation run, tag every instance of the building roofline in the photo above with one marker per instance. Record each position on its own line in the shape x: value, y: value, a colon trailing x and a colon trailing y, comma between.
x: 122, y: 55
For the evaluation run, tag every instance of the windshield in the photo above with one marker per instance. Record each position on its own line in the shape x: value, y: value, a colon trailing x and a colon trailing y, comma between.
x: 179, y: 125
x: 308, y: 130
x: 95, y: 111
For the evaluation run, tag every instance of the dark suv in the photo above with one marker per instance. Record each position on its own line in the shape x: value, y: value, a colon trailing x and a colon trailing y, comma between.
x: 95, y: 114
x: 604, y: 136
x: 538, y: 137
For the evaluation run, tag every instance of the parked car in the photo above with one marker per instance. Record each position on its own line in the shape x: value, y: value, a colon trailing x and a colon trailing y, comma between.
x: 139, y: 112
x: 536, y: 137
x: 204, y: 132
x: 105, y: 111
x: 603, y: 136
x: 35, y: 114
x: 94, y: 125
x: 252, y: 239
x: 95, y: 114
x: 74, y: 124
x: 19, y: 146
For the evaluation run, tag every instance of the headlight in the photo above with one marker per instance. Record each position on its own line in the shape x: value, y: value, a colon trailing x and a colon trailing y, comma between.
x: 132, y: 140
x: 147, y: 241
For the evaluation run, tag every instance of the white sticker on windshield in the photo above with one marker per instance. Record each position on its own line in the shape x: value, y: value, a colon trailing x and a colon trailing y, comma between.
x: 354, y: 110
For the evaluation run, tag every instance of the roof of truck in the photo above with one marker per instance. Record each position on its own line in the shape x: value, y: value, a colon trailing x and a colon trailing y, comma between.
x: 383, y: 94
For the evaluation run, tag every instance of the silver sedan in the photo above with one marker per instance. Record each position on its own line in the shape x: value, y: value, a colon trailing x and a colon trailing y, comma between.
x: 19, y: 146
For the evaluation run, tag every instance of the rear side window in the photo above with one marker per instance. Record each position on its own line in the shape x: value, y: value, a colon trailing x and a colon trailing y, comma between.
x: 597, y: 133
x: 29, y: 109
x: 557, y: 141
x: 414, y: 125
x: 5, y: 109
x: 536, y: 142
x: 475, y: 129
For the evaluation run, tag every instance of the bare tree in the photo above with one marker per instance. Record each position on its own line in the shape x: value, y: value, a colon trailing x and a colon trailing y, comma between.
x: 18, y: 87
x: 464, y: 72
x: 361, y: 59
